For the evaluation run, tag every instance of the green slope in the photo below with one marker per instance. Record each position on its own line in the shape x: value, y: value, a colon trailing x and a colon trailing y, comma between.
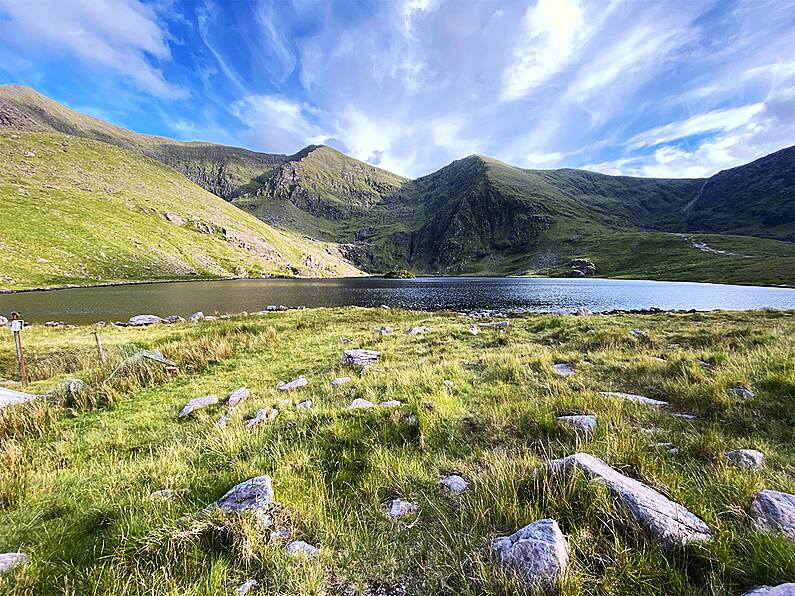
x: 80, y: 211
x: 224, y: 171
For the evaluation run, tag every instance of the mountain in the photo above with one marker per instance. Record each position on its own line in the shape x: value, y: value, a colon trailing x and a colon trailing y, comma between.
x: 224, y: 171
x: 77, y: 211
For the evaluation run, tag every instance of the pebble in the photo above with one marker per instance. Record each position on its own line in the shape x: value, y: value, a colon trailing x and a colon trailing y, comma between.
x: 741, y: 392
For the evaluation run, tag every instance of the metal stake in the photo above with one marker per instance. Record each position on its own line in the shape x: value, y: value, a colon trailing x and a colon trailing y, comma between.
x: 16, y: 330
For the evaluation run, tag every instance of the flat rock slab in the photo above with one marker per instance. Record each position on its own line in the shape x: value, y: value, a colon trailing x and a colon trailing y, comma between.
x: 299, y: 548
x: 238, y: 396
x: 417, y: 330
x: 640, y: 399
x: 197, y: 403
x: 564, y: 369
x: 399, y: 508
x: 669, y: 522
x: 360, y: 357
x: 294, y: 384
x: 360, y: 403
x: 262, y: 415
x: 747, y: 458
x: 340, y: 381
x: 14, y: 398
x: 454, y: 483
x: 254, y: 495
x: 780, y: 590
x: 141, y: 320
x: 497, y: 324
x: 539, y: 552
x: 10, y: 560
x: 583, y: 425
x: 774, y: 511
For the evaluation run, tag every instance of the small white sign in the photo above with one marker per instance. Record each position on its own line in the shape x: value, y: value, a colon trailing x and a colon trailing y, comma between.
x: 17, y: 326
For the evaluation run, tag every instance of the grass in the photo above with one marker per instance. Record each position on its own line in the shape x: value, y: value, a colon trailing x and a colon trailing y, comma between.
x: 76, y: 475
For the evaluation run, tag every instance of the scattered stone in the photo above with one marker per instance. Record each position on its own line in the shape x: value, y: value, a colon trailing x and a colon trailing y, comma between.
x: 497, y: 324
x: 299, y: 548
x: 237, y: 396
x: 168, y: 494
x: 741, y: 392
x: 197, y: 403
x: 583, y: 425
x: 385, y: 307
x: 539, y: 552
x: 197, y: 316
x: 360, y: 403
x: 294, y: 384
x: 254, y: 495
x: 74, y: 387
x: 10, y: 560
x: 384, y: 330
x: 223, y: 421
x: 360, y: 358
x: 262, y: 415
x: 210, y: 318
x: 703, y: 364
x: 638, y: 333
x: 779, y: 590
x: 448, y: 383
x: 281, y: 533
x: 392, y: 403
x: 654, y: 430
x: 669, y: 522
x: 682, y: 415
x: 635, y: 398
x: 340, y: 381
x: 747, y: 458
x: 30, y: 154
x: 142, y: 320
x: 304, y: 405
x: 417, y: 330
x: 455, y: 483
x: 346, y: 340
x: 399, y: 507
x: 774, y: 511
x: 473, y: 329
x: 244, y: 588
x: 4, y: 321
x: 582, y: 312
x: 564, y: 369
x: 172, y: 319
x: 666, y: 446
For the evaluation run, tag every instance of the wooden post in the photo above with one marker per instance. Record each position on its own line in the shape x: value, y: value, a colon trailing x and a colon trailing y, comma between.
x: 16, y: 329
x: 99, y: 347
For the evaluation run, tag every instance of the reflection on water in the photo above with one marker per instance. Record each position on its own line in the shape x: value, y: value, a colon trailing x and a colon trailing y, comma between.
x: 82, y: 305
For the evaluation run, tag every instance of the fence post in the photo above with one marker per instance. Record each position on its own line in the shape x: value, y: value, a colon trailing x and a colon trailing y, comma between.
x: 99, y: 347
x: 16, y: 329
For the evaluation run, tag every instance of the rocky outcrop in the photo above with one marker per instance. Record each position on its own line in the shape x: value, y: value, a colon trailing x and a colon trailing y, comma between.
x: 667, y: 521
x: 360, y: 358
x: 142, y: 320
x: 539, y: 553
x: 581, y: 268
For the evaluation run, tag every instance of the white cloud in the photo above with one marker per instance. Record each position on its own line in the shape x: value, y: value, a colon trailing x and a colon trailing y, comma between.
x: 124, y: 35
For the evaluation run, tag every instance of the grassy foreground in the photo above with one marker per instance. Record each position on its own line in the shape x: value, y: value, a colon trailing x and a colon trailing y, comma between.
x: 75, y: 478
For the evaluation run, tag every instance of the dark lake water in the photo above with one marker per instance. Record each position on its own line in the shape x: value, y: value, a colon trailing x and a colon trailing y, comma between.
x: 84, y: 305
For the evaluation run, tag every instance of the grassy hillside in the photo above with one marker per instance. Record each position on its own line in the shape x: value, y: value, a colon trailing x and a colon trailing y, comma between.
x: 80, y: 211
x: 224, y: 171
x: 77, y: 475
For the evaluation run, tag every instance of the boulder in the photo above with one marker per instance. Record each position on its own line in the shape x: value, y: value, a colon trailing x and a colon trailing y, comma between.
x: 197, y: 403
x: 539, y: 552
x: 399, y: 507
x: 667, y: 521
x: 634, y: 398
x: 262, y: 415
x: 142, y: 320
x: 10, y: 560
x: 583, y: 267
x: 417, y: 330
x: 197, y: 316
x: 747, y: 458
x: 360, y: 358
x: 254, y: 495
x: 564, y: 369
x: 454, y: 483
x: 360, y: 403
x: 340, y: 381
x: 172, y: 319
x: 294, y: 384
x: 774, y: 511
x: 779, y: 590
x: 237, y: 396
x: 583, y: 425
x: 299, y: 548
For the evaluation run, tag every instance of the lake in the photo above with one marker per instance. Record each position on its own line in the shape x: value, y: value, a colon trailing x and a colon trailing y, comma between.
x: 118, y: 303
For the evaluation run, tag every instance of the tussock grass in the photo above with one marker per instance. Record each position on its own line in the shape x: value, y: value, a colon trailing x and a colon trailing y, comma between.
x: 77, y: 476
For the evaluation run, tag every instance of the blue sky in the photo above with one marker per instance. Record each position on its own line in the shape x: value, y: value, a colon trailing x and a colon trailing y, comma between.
x: 666, y: 88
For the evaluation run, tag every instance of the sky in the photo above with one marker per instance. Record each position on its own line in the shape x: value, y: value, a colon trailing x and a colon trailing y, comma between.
x: 664, y: 88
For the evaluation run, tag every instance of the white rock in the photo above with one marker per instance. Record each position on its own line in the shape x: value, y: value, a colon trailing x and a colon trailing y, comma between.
x: 582, y: 312
x: 399, y: 507
x: 780, y: 590
x: 3, y: 321
x: 304, y: 405
x: 539, y: 552
x: 741, y: 392
x: 360, y: 358
x: 10, y: 560
x: 172, y: 319
x: 473, y: 329
x: 747, y: 458
x: 634, y: 398
x: 340, y: 381
x: 666, y: 446
x: 637, y: 333
x: 345, y: 340
x: 392, y: 403
x: 254, y: 495
x: 168, y: 494
x: 244, y: 588
x: 360, y: 403
x: 237, y: 396
x: 384, y: 330
x: 455, y: 483
x: 497, y: 324
x: 262, y: 415
x: 668, y: 521
x: 774, y: 511
x: 583, y: 425
x: 294, y: 384
x: 197, y: 403
x: 197, y: 316
x: 564, y: 369
x: 685, y: 416
x: 223, y: 421
x: 141, y: 320
x: 299, y: 548
x: 448, y: 383
x: 417, y: 330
